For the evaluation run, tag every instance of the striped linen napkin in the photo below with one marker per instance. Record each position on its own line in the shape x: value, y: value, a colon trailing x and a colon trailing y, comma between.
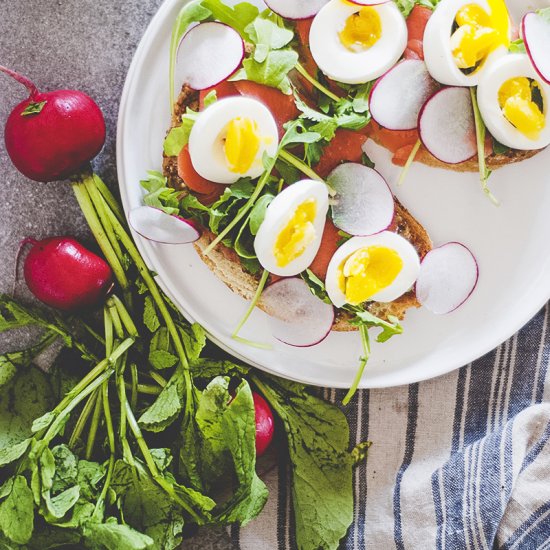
x: 461, y: 461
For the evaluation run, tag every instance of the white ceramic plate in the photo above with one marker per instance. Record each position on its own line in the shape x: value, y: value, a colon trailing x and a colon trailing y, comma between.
x: 511, y: 243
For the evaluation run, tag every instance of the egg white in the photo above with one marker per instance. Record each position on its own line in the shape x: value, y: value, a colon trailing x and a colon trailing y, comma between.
x: 438, y: 54
x: 511, y: 66
x: 277, y: 216
x: 401, y: 284
x: 343, y: 65
x: 207, y: 137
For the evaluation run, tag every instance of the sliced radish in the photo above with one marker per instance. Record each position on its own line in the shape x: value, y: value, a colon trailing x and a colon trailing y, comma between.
x: 296, y: 9
x: 155, y: 225
x: 536, y: 35
x: 363, y: 204
x: 448, y: 276
x: 447, y: 127
x: 208, y: 54
x: 398, y: 96
x: 297, y: 317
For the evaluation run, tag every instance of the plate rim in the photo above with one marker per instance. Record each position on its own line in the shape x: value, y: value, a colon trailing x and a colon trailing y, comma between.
x: 408, y: 376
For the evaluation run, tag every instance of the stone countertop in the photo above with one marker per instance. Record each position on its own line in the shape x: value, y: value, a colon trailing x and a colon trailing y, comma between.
x: 83, y: 44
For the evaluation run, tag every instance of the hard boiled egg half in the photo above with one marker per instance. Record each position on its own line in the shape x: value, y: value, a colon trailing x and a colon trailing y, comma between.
x: 290, y: 235
x: 355, y: 44
x: 229, y: 138
x: 380, y: 267
x: 514, y: 102
x: 463, y: 37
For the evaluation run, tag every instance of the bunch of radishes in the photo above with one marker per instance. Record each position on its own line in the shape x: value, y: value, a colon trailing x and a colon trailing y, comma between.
x: 52, y: 136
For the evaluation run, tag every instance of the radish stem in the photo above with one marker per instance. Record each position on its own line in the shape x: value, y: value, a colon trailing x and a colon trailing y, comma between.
x: 109, y: 198
x: 96, y: 419
x: 408, y: 164
x: 149, y: 461
x: 112, y: 448
x: 253, y: 302
x: 364, y: 331
x: 302, y: 166
x: 97, y: 229
x: 244, y: 210
x: 31, y: 87
x: 484, y: 172
x: 300, y: 68
x: 82, y: 419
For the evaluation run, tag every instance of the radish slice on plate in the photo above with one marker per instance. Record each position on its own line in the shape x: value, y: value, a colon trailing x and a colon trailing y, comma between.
x: 155, y: 225
x: 448, y: 276
x: 447, y: 127
x: 296, y: 9
x: 208, y: 54
x: 297, y: 317
x: 536, y: 35
x: 398, y: 96
x: 363, y: 204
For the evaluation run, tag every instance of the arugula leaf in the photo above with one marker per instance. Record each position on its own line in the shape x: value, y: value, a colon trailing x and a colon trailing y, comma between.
x: 238, y: 16
x: 316, y: 286
x: 192, y: 12
x: 273, y: 71
x: 499, y: 148
x: 406, y: 6
x: 159, y: 195
x: 17, y: 512
x: 60, y: 504
x: 518, y: 46
x: 267, y: 35
x: 257, y: 214
x: 545, y: 14
x: 178, y: 136
x: 318, y: 439
x: 390, y: 328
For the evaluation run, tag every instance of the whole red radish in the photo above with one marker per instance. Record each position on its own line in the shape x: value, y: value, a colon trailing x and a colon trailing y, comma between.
x: 64, y: 274
x: 265, y: 424
x: 53, y: 135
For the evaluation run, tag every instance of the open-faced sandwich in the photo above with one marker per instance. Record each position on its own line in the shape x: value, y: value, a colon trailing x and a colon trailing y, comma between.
x: 264, y: 166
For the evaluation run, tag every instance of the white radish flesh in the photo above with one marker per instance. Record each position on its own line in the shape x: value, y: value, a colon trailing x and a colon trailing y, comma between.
x: 536, y: 35
x: 297, y: 317
x: 398, y: 96
x: 448, y: 276
x: 447, y: 127
x: 363, y: 204
x: 158, y: 226
x: 208, y: 54
x: 296, y: 9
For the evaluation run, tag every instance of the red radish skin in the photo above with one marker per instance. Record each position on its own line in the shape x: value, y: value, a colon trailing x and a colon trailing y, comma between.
x: 265, y: 424
x: 65, y: 275
x: 59, y: 140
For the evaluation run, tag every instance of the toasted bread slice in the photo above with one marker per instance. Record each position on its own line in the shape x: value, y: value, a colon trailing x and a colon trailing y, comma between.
x: 225, y: 263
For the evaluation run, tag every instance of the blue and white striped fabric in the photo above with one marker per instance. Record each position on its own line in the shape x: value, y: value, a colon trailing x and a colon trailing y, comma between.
x: 461, y: 461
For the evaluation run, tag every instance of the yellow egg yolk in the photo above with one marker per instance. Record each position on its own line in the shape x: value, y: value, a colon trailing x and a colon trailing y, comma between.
x: 297, y: 234
x: 515, y: 98
x: 362, y: 30
x: 479, y: 33
x: 368, y: 271
x: 242, y: 144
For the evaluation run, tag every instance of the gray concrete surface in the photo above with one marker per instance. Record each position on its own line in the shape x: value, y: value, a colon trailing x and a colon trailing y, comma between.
x: 81, y: 44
